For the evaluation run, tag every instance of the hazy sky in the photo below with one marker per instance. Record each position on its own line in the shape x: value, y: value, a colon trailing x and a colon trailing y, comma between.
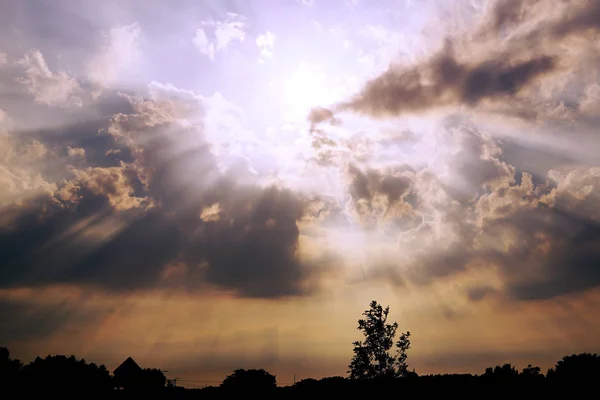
x: 212, y: 185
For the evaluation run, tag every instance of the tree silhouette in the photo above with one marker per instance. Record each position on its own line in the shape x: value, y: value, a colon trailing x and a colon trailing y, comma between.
x: 251, y: 379
x: 531, y: 371
x: 506, y: 371
x: 153, y: 379
x: 372, y: 358
x: 402, y: 347
x: 584, y: 366
x: 10, y: 370
x: 67, y: 376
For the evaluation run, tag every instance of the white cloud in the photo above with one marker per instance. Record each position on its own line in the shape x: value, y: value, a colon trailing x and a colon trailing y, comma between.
x: 20, y: 163
x: 2, y: 58
x: 222, y: 33
x: 308, y: 3
x: 204, y: 45
x: 265, y: 44
x: 121, y: 52
x: 351, y: 3
x: 590, y: 103
x: 53, y: 89
x: 338, y: 32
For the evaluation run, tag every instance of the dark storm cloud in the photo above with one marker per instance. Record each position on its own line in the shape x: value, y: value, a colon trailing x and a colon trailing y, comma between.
x: 498, y: 71
x: 539, y: 232
x: 558, y: 252
x: 553, y: 231
x: 506, y: 13
x: 320, y: 114
x: 158, y: 214
x: 581, y: 16
x: 252, y: 246
x: 541, y: 236
x: 480, y: 292
x: 586, y: 17
x: 444, y: 80
x: 553, y: 251
x: 366, y: 186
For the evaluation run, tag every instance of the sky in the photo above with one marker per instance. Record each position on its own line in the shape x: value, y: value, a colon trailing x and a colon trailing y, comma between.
x: 213, y: 185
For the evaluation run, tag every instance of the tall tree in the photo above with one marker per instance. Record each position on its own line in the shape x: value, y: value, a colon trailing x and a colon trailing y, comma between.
x: 372, y: 356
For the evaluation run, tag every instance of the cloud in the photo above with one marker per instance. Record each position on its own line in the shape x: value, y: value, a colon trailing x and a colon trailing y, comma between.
x: 19, y: 174
x: 478, y: 293
x: 467, y: 210
x: 307, y: 3
x: 111, y: 182
x: 154, y: 198
x: 54, y: 89
x: 119, y: 53
x: 462, y: 180
x: 147, y: 169
x: 553, y: 232
x: 566, y: 18
x: 444, y: 81
x: 265, y: 44
x: 375, y: 194
x: 203, y: 44
x: 351, y: 4
x: 320, y: 114
x: 508, y: 13
x: 76, y: 152
x: 466, y: 72
x: 473, y: 200
x: 219, y: 34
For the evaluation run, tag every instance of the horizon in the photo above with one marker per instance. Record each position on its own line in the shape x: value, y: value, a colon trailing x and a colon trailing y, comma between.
x: 199, y: 384
x: 207, y: 186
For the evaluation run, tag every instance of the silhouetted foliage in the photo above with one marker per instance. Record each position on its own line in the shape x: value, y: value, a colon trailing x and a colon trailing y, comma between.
x: 576, y: 367
x: 506, y: 371
x: 67, y: 377
x: 372, y: 358
x: 324, y: 385
x: 10, y: 370
x: 306, y: 382
x: 154, y: 378
x: 72, y: 378
x: 250, y: 379
x: 531, y: 372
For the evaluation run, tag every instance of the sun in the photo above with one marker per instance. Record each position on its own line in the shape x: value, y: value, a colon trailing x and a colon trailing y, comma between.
x: 305, y: 89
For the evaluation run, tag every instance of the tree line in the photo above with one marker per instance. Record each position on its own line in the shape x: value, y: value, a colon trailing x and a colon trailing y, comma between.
x: 379, y: 364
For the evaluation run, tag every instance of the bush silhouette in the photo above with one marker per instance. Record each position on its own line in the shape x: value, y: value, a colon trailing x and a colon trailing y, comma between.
x: 250, y: 379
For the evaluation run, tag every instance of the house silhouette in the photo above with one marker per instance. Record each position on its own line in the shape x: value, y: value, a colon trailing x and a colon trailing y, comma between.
x: 128, y: 374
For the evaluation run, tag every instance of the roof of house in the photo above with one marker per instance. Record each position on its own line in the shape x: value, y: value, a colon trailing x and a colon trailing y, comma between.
x: 127, y: 367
